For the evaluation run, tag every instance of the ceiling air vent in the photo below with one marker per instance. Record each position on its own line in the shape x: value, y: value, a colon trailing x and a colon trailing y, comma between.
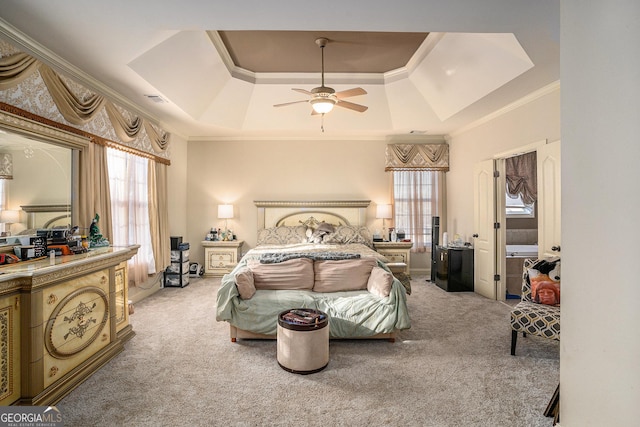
x: 157, y: 99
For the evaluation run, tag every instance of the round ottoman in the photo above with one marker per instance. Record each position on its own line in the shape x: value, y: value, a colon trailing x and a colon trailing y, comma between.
x: 303, y: 340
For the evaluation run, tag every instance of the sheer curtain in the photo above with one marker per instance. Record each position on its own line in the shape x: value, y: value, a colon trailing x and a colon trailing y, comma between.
x: 128, y: 182
x: 418, y: 196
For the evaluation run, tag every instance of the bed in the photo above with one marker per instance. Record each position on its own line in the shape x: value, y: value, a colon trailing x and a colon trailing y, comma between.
x: 331, y: 257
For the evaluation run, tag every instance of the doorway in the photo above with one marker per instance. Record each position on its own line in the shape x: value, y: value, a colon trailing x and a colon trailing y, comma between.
x: 521, y: 218
x: 491, y: 225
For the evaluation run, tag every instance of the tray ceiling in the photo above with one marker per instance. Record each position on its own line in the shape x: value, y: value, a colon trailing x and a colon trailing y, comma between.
x: 427, y: 67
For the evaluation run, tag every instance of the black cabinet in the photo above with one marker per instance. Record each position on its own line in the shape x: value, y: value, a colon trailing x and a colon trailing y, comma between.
x: 177, y: 274
x: 454, y: 269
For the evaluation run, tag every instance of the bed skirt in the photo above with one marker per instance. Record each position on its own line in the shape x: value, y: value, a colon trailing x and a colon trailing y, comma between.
x: 235, y: 333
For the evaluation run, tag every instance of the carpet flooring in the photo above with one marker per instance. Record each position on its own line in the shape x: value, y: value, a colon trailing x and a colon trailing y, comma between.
x: 452, y: 368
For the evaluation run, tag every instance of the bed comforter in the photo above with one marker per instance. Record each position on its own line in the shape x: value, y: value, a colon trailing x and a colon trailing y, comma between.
x: 353, y: 314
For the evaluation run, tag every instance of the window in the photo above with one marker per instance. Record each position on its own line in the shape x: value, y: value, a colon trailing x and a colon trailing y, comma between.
x: 516, y: 208
x: 415, y: 196
x: 128, y: 182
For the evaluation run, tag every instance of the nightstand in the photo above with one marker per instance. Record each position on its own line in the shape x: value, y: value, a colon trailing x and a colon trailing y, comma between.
x: 221, y: 257
x: 398, y: 254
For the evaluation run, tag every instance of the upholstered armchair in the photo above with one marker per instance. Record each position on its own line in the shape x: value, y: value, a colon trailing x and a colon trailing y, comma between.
x: 538, y: 312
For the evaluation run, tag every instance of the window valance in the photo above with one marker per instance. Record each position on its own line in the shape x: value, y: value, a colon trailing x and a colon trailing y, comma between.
x: 425, y: 157
x: 78, y: 111
x: 521, y: 177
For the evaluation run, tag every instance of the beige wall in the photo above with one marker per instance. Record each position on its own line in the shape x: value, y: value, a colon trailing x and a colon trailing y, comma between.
x: 177, y: 187
x: 537, y: 120
x: 239, y: 172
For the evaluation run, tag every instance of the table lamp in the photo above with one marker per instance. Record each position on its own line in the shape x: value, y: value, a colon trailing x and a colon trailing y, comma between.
x: 9, y: 217
x: 383, y: 211
x: 225, y: 212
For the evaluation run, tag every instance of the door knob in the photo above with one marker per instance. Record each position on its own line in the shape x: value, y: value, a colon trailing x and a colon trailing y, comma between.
x: 474, y: 235
x: 555, y: 248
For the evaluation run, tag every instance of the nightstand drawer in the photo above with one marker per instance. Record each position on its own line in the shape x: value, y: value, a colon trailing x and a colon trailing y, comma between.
x: 394, y: 256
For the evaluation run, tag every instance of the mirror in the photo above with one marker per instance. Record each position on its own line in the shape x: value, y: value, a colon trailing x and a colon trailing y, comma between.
x: 44, y: 164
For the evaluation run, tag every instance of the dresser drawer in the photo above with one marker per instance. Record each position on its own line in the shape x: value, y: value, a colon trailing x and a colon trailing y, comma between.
x: 77, y: 323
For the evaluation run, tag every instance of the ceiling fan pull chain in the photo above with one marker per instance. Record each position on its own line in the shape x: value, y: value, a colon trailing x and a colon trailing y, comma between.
x: 322, y: 123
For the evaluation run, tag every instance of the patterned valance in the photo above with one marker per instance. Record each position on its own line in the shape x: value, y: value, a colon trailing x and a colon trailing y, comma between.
x: 78, y: 110
x: 425, y: 157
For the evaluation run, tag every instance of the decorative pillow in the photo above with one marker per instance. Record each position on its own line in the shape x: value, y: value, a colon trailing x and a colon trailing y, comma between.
x: 244, y: 282
x: 295, y: 273
x: 282, y: 235
x: 320, y: 232
x: 380, y: 282
x: 342, y: 275
x: 544, y: 279
x: 350, y: 234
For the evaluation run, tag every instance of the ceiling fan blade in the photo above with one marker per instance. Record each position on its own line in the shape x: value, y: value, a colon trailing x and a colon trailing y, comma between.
x: 306, y: 92
x: 351, y: 106
x: 351, y: 92
x: 289, y: 103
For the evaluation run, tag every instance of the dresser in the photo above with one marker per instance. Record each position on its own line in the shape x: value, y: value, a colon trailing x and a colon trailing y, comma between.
x: 398, y: 254
x: 454, y: 269
x: 61, y: 319
x: 220, y: 257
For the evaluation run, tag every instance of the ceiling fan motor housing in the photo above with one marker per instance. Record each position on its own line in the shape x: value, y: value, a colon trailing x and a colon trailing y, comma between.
x: 323, y: 91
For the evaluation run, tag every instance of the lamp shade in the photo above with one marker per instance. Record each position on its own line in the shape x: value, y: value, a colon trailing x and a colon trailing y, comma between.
x: 383, y: 211
x: 225, y: 211
x: 9, y: 217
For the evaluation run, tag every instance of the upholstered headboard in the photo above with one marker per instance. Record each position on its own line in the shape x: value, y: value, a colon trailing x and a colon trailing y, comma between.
x: 292, y: 213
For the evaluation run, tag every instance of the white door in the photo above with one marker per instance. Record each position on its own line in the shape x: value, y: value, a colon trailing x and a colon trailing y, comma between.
x: 549, y: 200
x: 484, y: 241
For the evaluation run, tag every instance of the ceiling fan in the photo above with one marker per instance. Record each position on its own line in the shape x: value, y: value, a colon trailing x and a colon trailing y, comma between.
x: 324, y: 98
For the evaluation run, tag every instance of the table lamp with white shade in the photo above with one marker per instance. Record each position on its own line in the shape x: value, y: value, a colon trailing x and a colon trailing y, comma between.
x: 9, y: 217
x: 384, y: 211
x: 225, y: 212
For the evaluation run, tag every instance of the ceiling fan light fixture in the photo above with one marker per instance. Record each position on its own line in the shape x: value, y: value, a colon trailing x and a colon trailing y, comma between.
x: 323, y: 105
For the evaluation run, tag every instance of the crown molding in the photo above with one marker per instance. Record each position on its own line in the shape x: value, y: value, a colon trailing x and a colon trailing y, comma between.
x: 546, y: 90
x: 289, y: 78
x: 42, y: 53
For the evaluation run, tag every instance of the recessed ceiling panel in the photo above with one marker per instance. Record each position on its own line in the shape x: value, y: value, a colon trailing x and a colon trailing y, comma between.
x: 186, y: 69
x: 297, y: 52
x: 463, y: 68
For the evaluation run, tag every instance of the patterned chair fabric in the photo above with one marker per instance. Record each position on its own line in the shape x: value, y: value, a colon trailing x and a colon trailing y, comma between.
x: 533, y: 318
